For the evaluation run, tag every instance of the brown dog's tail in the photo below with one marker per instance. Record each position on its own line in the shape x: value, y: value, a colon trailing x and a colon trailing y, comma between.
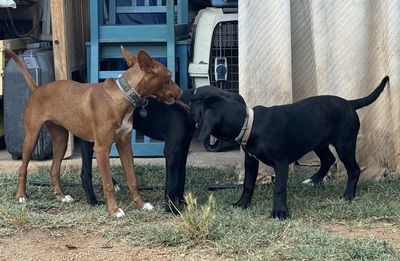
x: 28, y: 78
x: 359, y: 103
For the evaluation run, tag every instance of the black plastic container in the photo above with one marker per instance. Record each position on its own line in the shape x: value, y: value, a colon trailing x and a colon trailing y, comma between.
x: 16, y: 93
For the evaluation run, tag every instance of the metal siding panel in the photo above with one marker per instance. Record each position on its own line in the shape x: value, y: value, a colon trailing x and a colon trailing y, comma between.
x: 290, y: 50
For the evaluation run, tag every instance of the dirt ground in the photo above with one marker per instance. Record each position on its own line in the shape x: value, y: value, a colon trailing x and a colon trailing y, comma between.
x: 73, y: 244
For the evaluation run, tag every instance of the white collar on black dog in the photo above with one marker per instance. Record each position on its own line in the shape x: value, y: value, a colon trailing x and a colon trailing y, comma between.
x: 246, y: 129
x: 130, y: 93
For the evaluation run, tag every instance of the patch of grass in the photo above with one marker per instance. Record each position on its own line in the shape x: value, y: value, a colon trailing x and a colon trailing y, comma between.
x: 198, y: 220
x: 212, y: 222
x: 305, y: 243
x: 18, y: 218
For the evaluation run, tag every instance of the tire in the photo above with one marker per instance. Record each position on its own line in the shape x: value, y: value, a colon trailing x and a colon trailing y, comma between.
x: 212, y: 145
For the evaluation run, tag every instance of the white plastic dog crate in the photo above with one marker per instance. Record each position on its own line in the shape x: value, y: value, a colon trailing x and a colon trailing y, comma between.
x: 215, y: 49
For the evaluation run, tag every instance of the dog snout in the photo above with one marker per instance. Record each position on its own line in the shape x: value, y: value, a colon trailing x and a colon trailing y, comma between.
x: 178, y: 95
x: 174, y: 94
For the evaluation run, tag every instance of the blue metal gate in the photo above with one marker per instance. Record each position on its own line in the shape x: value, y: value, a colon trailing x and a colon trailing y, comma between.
x: 107, y: 34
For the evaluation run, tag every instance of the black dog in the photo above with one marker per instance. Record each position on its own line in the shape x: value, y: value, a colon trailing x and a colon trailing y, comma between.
x: 169, y: 123
x: 282, y: 134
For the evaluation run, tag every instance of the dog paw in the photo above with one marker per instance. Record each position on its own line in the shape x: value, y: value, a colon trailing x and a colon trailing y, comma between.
x: 117, y: 188
x: 241, y: 204
x: 147, y: 207
x: 170, y: 207
x: 280, y: 215
x: 312, y: 182
x: 67, y: 199
x: 21, y: 199
x: 119, y: 214
x: 308, y: 182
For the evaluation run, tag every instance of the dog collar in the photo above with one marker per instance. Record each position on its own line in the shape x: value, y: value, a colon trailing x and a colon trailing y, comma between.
x: 130, y: 93
x: 246, y: 129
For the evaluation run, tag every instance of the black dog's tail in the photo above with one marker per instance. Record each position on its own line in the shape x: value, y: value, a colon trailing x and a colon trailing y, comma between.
x: 359, y: 103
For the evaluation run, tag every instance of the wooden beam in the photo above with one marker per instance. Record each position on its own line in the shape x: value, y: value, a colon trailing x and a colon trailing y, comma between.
x: 59, y: 33
x: 62, y: 69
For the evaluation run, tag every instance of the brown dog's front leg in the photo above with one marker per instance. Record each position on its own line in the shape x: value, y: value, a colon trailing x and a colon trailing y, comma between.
x: 103, y: 161
x: 21, y: 184
x: 124, y: 148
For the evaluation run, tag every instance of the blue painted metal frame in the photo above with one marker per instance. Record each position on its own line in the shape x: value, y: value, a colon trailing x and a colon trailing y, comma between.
x: 170, y: 40
x: 146, y: 148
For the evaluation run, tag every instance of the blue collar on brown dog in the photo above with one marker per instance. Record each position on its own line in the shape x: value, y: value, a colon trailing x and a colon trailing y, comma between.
x: 130, y: 93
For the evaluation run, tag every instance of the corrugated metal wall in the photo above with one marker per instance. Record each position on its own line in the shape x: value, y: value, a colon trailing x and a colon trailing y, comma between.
x: 289, y: 50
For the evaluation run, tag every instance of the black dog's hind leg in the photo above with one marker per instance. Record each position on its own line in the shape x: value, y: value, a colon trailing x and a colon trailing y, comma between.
x: 346, y: 154
x: 86, y: 173
x: 326, y: 159
x: 251, y: 165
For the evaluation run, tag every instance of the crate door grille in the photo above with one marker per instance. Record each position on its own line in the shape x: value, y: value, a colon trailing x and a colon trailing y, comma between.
x: 225, y: 44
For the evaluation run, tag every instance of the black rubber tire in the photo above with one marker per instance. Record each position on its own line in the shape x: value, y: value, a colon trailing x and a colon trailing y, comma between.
x: 213, y: 148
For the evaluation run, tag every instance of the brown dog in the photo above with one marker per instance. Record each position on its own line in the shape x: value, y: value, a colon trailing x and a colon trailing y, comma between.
x: 99, y: 112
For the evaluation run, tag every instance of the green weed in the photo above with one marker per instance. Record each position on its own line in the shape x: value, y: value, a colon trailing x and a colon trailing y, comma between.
x: 198, y: 220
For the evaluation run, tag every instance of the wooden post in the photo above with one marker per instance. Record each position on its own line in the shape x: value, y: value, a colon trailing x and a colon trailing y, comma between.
x: 61, y: 69
x: 59, y: 33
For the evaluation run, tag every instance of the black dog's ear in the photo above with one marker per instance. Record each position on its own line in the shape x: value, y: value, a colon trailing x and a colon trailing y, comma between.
x: 204, y: 95
x: 207, y: 123
x: 206, y: 92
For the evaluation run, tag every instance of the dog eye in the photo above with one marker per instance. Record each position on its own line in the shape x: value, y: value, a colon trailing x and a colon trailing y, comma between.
x: 167, y: 81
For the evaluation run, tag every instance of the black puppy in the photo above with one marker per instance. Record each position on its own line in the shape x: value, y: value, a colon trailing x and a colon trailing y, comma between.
x: 169, y: 123
x: 279, y: 135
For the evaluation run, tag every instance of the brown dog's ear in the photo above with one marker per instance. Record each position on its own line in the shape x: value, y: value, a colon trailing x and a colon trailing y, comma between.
x: 146, y: 63
x: 130, y: 59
